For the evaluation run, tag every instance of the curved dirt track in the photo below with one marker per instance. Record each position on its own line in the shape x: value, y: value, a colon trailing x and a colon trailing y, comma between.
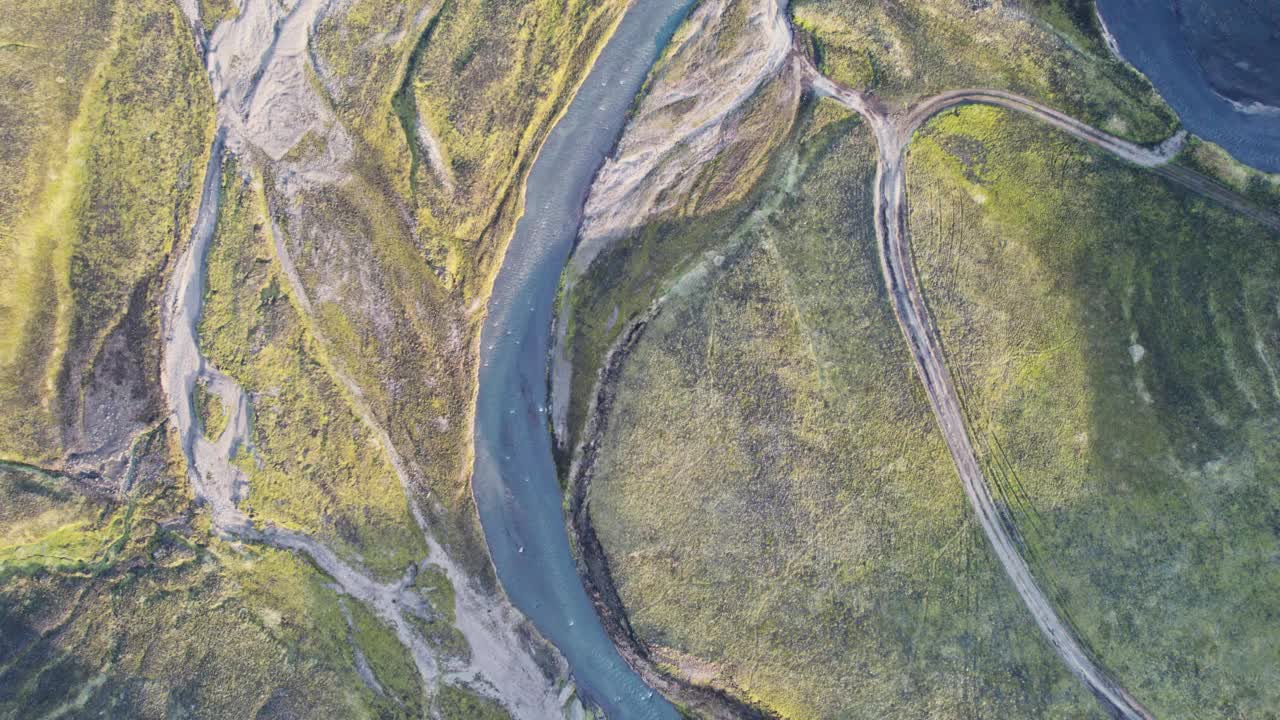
x: 893, y: 133
x: 917, y: 326
x: 1157, y: 160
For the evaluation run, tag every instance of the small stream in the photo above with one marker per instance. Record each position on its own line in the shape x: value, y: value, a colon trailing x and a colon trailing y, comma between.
x: 1150, y: 37
x: 516, y: 488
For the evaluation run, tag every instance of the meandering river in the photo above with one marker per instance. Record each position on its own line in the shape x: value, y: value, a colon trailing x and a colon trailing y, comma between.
x: 515, y: 483
x: 1150, y: 37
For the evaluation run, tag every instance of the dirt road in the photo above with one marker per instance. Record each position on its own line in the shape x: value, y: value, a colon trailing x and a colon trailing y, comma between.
x: 893, y: 133
x: 258, y: 63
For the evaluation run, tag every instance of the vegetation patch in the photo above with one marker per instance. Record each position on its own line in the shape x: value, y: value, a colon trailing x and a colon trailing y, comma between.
x: 123, y: 609
x: 312, y: 464
x: 45, y: 523
x: 438, y: 627
x: 399, y: 258
x: 106, y: 113
x: 1049, y: 50
x: 389, y: 660
x: 1116, y: 342
x: 214, y: 12
x: 1206, y: 157
x: 636, y: 269
x: 779, y: 513
x: 210, y: 413
x: 460, y: 703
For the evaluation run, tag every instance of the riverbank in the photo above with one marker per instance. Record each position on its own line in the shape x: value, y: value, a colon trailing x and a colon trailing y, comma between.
x: 1149, y: 37
x: 709, y: 701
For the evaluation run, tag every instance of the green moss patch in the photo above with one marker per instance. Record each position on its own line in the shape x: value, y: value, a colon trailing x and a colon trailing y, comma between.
x: 210, y: 413
x: 312, y: 465
x: 458, y: 703
x: 123, y: 609
x: 106, y: 129
x: 1116, y: 341
x: 389, y: 660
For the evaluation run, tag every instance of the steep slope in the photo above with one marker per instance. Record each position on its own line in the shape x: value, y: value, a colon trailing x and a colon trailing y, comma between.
x: 85, y: 229
x: 718, y: 103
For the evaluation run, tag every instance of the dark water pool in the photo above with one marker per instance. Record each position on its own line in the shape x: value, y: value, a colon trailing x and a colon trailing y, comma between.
x: 1209, y: 59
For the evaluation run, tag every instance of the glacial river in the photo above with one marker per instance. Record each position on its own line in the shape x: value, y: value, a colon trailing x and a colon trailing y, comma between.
x: 515, y: 483
x: 1151, y: 38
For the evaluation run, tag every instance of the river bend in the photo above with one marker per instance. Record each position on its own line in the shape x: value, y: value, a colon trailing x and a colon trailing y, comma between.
x: 516, y: 487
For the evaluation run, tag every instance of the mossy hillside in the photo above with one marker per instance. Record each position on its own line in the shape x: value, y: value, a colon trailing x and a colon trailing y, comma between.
x: 1116, y: 342
x: 485, y: 79
x: 45, y: 67
x: 46, y: 61
x: 210, y: 412
x: 149, y: 617
x: 1263, y: 189
x: 621, y: 285
x: 114, y: 126
x: 1049, y: 50
x: 312, y: 464
x: 363, y: 50
x: 489, y: 84
x: 44, y: 524
x: 773, y: 496
x: 403, y: 339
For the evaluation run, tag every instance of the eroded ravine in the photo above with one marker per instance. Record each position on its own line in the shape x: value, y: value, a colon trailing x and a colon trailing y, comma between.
x: 258, y: 64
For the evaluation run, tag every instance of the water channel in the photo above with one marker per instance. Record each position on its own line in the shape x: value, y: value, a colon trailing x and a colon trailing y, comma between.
x: 516, y: 488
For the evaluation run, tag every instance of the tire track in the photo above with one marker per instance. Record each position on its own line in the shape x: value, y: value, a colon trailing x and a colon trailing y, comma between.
x: 893, y: 133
